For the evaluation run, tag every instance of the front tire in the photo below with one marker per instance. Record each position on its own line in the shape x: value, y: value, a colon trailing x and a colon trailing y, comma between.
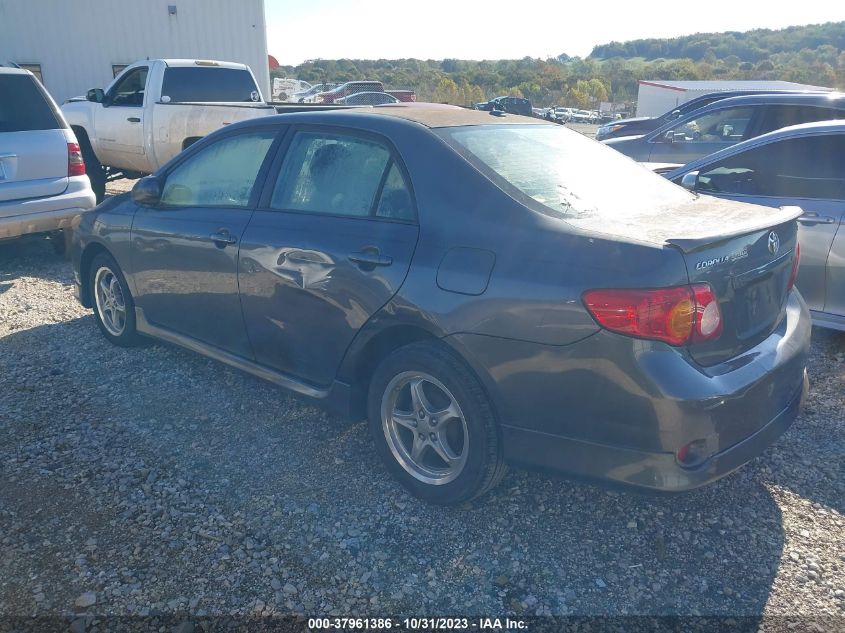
x: 433, y: 425
x: 114, y: 309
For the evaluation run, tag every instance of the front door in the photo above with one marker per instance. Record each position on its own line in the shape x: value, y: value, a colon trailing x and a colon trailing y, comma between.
x: 119, y: 122
x: 185, y: 250
x: 330, y: 245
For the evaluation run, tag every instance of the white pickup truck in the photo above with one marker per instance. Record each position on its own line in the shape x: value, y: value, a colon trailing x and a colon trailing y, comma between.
x: 156, y: 108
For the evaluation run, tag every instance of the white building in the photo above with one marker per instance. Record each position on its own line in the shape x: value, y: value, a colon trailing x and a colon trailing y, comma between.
x: 656, y: 97
x: 74, y: 45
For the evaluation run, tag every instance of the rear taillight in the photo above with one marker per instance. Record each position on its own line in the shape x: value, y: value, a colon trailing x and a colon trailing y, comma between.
x: 796, y: 262
x: 75, y: 164
x: 677, y: 315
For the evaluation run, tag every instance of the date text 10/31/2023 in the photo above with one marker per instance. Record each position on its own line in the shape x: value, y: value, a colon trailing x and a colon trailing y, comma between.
x: 416, y: 624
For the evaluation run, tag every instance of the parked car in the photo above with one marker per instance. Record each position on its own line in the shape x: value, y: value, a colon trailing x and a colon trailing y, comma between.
x: 804, y: 166
x: 310, y: 95
x: 644, y: 124
x: 583, y: 116
x: 405, y: 96
x: 156, y: 108
x: 412, y: 266
x: 43, y: 185
x: 367, y: 98
x: 512, y: 105
x: 349, y: 88
x: 562, y: 115
x: 727, y: 122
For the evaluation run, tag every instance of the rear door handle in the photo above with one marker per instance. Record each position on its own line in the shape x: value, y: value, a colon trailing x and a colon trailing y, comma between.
x: 134, y: 119
x: 370, y: 258
x: 222, y: 238
x: 815, y: 218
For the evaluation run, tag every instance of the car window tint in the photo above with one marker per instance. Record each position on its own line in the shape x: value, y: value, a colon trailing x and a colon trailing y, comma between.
x: 778, y: 116
x: 811, y: 167
x: 395, y: 201
x: 727, y: 126
x: 24, y: 107
x: 202, y: 84
x: 220, y: 175
x: 129, y: 90
x: 327, y: 173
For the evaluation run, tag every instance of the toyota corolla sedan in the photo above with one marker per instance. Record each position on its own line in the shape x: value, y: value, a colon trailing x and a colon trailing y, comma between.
x: 484, y: 288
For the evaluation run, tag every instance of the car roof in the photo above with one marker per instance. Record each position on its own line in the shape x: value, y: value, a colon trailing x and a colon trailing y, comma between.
x: 797, y: 98
x: 430, y: 115
x: 11, y: 70
x: 202, y: 63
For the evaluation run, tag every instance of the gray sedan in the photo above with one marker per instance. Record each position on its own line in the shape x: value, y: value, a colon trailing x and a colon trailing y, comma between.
x: 469, y: 283
x: 803, y: 165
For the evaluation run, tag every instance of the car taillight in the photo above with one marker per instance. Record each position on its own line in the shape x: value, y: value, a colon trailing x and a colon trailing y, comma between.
x: 75, y: 164
x: 796, y: 262
x: 677, y: 315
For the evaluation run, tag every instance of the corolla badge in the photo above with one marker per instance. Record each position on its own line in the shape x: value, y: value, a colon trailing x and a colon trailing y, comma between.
x: 774, y: 243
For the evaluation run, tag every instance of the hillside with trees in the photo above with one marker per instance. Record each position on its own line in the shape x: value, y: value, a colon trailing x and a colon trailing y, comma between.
x: 806, y: 54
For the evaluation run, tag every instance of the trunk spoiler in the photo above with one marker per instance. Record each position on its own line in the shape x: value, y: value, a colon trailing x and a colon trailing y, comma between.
x: 776, y: 217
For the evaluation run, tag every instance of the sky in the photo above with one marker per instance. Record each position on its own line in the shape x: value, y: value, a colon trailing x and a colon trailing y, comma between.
x: 298, y: 30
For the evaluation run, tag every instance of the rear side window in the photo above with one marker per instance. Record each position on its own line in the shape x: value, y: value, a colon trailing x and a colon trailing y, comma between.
x: 24, y: 106
x: 220, y: 175
x: 810, y: 167
x: 203, y: 84
x: 331, y: 174
x: 778, y: 116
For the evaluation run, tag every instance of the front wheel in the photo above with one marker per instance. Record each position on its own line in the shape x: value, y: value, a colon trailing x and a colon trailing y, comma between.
x: 114, y: 309
x: 433, y: 425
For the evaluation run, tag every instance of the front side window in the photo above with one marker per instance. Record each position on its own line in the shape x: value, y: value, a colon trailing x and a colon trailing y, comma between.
x: 129, y: 89
x: 220, y: 175
x: 726, y: 126
x: 331, y: 174
x: 810, y: 167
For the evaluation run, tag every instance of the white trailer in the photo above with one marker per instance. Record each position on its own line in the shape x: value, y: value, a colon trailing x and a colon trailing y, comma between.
x: 74, y: 46
x: 656, y: 97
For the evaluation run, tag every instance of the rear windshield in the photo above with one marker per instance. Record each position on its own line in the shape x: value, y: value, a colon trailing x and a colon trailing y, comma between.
x: 24, y: 106
x: 202, y: 84
x: 568, y: 174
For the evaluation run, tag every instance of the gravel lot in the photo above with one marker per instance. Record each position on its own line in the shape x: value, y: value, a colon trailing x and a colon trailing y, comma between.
x: 155, y: 481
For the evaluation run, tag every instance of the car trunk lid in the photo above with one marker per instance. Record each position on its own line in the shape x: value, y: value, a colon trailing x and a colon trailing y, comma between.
x: 744, y: 252
x: 33, y: 164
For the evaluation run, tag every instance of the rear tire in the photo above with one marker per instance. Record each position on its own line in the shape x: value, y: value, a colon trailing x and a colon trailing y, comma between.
x: 442, y: 444
x: 114, y: 309
x: 96, y: 172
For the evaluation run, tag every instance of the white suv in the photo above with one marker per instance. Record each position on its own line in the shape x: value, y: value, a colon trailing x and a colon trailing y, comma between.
x: 43, y: 185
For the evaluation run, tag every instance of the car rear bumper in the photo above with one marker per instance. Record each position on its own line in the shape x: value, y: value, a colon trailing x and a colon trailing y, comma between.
x: 655, y: 471
x: 620, y: 409
x: 37, y: 215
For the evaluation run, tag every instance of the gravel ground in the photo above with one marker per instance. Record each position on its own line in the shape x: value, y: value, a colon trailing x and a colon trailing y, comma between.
x: 155, y: 481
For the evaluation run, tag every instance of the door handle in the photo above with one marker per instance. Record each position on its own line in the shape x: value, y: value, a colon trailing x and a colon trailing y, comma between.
x: 222, y: 238
x: 370, y: 258
x: 814, y: 218
x: 134, y: 119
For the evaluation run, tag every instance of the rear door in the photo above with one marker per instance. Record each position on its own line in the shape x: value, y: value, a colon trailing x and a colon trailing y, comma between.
x: 185, y: 250
x: 33, y: 141
x: 329, y: 246
x: 702, y: 134
x: 807, y: 172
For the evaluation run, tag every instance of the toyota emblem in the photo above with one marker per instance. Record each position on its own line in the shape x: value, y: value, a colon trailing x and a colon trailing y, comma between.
x: 774, y: 243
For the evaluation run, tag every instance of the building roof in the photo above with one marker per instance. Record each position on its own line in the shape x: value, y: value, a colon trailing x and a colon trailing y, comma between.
x: 716, y: 85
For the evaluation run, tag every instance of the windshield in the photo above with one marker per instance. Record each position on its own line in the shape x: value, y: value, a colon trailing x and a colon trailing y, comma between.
x: 570, y: 175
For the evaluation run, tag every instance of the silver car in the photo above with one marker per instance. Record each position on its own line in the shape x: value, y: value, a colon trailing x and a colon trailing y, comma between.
x: 43, y: 185
x: 804, y: 166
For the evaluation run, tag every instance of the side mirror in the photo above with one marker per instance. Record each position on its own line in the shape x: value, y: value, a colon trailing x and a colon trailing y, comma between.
x: 690, y: 180
x: 96, y: 95
x: 147, y: 191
